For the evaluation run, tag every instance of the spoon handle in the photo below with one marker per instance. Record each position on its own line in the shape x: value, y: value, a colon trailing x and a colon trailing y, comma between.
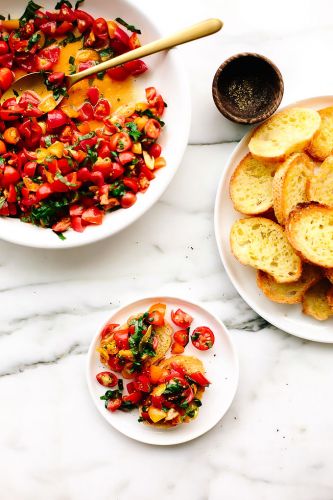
x: 202, y: 29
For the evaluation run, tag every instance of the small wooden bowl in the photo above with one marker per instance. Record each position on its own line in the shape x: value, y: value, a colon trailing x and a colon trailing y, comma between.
x: 247, y: 88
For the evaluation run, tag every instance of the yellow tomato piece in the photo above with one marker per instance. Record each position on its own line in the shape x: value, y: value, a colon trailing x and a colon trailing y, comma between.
x: 70, y: 111
x: 126, y: 354
x: 41, y: 154
x: 47, y: 104
x: 149, y: 160
x: 10, y: 24
x: 137, y: 148
x: 85, y: 55
x: 161, y: 308
x: 141, y: 106
x: 155, y: 414
x: 141, y: 121
x: 156, y: 373
x: 160, y: 162
x: 125, y: 110
x: 158, y: 390
x: 29, y: 184
x: 56, y: 149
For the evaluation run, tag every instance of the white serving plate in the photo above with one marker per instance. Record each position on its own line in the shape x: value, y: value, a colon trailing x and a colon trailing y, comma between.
x: 286, y: 317
x: 168, y: 76
x: 221, y: 365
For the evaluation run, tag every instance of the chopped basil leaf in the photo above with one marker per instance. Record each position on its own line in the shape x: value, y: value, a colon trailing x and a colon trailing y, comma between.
x: 29, y: 13
x: 49, y: 211
x: 2, y: 18
x: 90, y: 135
x: 133, y: 131
x: 100, y: 75
x: 120, y: 384
x: 60, y: 236
x: 16, y: 94
x: 130, y: 27
x: 173, y: 387
x: 127, y: 405
x: 106, y: 54
x: 149, y: 113
x: 70, y: 39
x: 117, y: 189
x: 49, y: 41
x: 48, y: 141
x: 2, y: 201
x: 59, y: 4
x: 34, y: 39
x: 71, y: 60
x: 2, y: 161
x: 63, y: 179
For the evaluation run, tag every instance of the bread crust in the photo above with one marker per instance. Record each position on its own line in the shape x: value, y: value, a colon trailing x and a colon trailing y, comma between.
x: 321, y: 145
x: 315, y: 302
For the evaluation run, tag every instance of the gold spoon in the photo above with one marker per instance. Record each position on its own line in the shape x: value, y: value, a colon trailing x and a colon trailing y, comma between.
x: 36, y: 81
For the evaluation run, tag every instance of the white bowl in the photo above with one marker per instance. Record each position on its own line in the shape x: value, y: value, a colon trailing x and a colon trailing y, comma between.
x: 221, y: 364
x: 167, y: 75
x: 284, y: 316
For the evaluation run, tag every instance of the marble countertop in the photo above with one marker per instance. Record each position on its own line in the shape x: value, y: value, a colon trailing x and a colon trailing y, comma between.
x: 276, y: 440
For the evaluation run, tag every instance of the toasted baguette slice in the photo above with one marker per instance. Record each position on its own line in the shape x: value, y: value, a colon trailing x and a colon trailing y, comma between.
x: 310, y: 231
x: 290, y: 184
x: 251, y: 186
x: 329, y: 274
x: 322, y: 143
x: 261, y: 243
x: 315, y: 301
x: 284, y: 133
x: 289, y: 293
x: 320, y: 186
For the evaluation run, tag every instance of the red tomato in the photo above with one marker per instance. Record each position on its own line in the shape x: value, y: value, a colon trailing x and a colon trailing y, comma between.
x: 47, y: 58
x: 63, y: 28
x: 142, y: 383
x: 104, y: 168
x: 6, y: 78
x: 181, y: 337
x: 56, y: 118
x: 104, y: 150
x: 100, y: 27
x: 12, y: 196
x: 126, y: 157
x: 84, y: 20
x: 49, y: 27
x: 30, y: 133
x: 113, y: 404
x: 56, y: 78
x: 76, y: 223
x: 130, y: 387
x: 156, y: 318
x: 157, y: 401
x: 108, y: 329
x: 199, y: 378
x: 66, y: 13
x: 131, y: 183
x: 29, y: 168
x: 181, y: 318
x: 6, y: 61
x: 107, y: 379
x: 133, y: 398
x: 75, y: 210
x: 102, y: 109
x: 127, y: 200
x: 97, y: 178
x: 86, y: 112
x: 93, y: 215
x: 44, y: 191
x: 115, y: 364
x: 93, y: 95
x: 83, y: 174
x: 135, y: 68
x: 177, y: 348
x: 118, y: 74
x: 151, y: 94
x: 152, y: 128
x: 120, y: 142
x: 147, y: 173
x: 3, y: 47
x: 155, y: 150
x: 10, y: 176
x: 203, y: 338
x: 121, y: 339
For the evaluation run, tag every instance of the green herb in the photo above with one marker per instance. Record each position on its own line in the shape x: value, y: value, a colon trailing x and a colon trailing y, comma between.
x: 136, y: 366
x: 117, y: 189
x: 72, y: 67
x: 138, y: 323
x: 78, y: 3
x: 34, y: 39
x: 70, y: 39
x: 106, y: 53
x: 140, y: 419
x: 110, y: 395
x: 91, y: 156
x: 29, y: 13
x: 130, y: 27
x: 49, y: 212
x: 120, y: 384
x: 48, y: 141
x: 63, y: 179
x: 173, y: 387
x: 16, y: 94
x: 2, y: 161
x: 59, y: 4
x: 191, y: 412
x: 133, y: 131
x: 197, y: 402
x: 2, y: 201
x: 8, y: 17
x: 60, y: 236
x: 184, y: 405
x: 49, y: 41
x: 2, y: 18
x: 127, y: 406
x: 148, y: 112
x: 90, y: 135
x: 194, y: 336
x: 5, y: 36
x: 100, y: 75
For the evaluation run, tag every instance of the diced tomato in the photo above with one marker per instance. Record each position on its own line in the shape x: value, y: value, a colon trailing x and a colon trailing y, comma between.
x: 156, y: 318
x: 199, y: 378
x: 62, y: 225
x: 84, y: 20
x: 12, y: 196
x: 6, y: 78
x: 136, y: 68
x: 181, y: 318
x: 152, y: 128
x: 93, y: 215
x: 29, y: 168
x: 126, y: 157
x: 56, y: 118
x: 63, y: 28
x: 66, y: 13
x: 84, y: 174
x: 102, y: 109
x: 107, y: 379
x: 177, y: 348
x: 3, y: 47
x: 108, y: 329
x: 127, y: 200
x: 104, y: 168
x: 115, y: 364
x: 134, y: 41
x: 118, y: 74
x: 97, y: 178
x: 93, y: 95
x: 86, y: 112
x: 76, y: 223
x: 147, y: 172
x: 156, y: 373
x: 10, y: 176
x: 4, y: 210
x: 100, y: 27
x: 57, y: 77
x: 121, y: 339
x: 130, y: 387
x: 161, y: 308
x: 48, y: 28
x: 30, y: 133
x: 142, y: 383
x: 120, y: 142
x: 134, y: 397
x: 75, y: 210
x: 203, y: 338
x: 113, y: 404
x: 181, y: 337
x: 131, y: 183
x: 44, y: 191
x: 117, y: 170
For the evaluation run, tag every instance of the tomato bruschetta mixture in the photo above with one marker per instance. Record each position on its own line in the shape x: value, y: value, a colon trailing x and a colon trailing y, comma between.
x: 167, y: 390
x: 66, y: 167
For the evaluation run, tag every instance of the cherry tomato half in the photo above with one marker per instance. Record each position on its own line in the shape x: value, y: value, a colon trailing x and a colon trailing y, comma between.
x: 177, y: 348
x: 181, y: 337
x: 134, y: 397
x: 199, y: 378
x: 152, y: 128
x: 203, y: 338
x: 120, y: 142
x: 127, y: 200
x: 181, y: 318
x: 6, y: 78
x: 121, y: 339
x: 107, y: 379
x: 156, y: 318
x: 102, y: 109
x: 113, y: 404
x: 93, y: 215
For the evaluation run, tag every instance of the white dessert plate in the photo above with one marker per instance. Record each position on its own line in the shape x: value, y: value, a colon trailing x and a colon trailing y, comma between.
x: 221, y: 364
x: 286, y: 317
x: 166, y: 73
